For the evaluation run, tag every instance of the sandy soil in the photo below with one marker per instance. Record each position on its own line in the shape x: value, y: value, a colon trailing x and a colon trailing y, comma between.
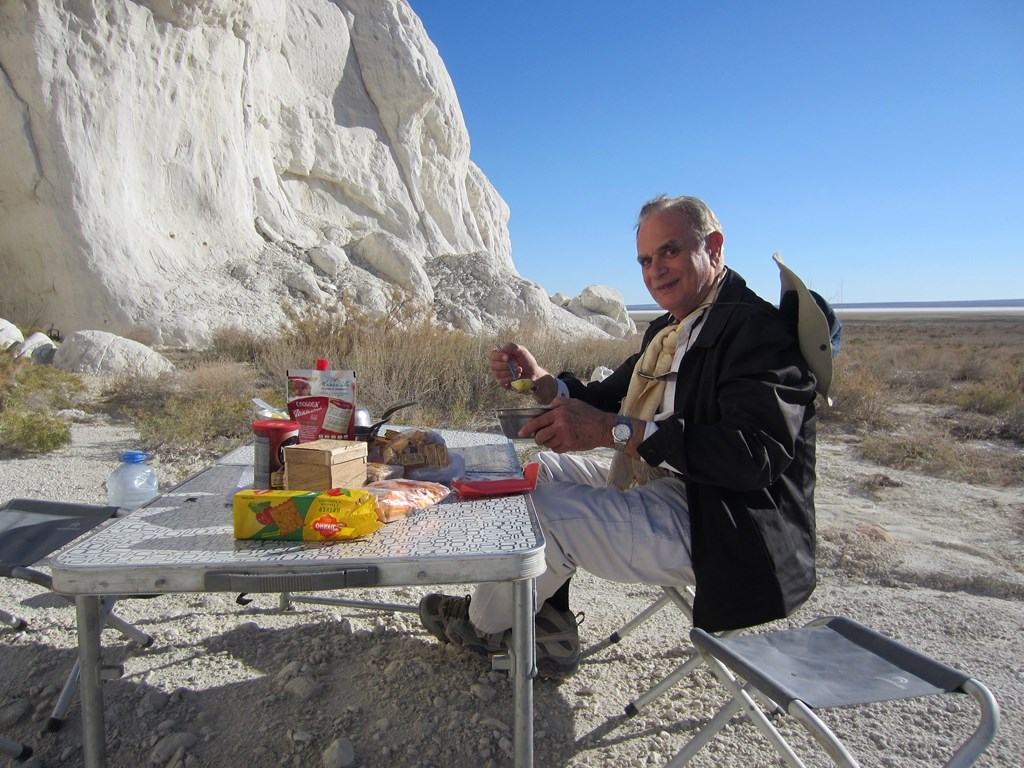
x: 934, y: 563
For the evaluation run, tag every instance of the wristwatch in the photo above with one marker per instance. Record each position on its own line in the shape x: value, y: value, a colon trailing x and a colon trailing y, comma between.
x: 621, y: 432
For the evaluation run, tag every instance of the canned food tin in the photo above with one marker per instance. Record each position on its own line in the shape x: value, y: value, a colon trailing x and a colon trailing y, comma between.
x: 272, y: 436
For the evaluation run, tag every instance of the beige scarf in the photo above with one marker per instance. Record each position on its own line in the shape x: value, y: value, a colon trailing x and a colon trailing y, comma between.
x: 644, y: 395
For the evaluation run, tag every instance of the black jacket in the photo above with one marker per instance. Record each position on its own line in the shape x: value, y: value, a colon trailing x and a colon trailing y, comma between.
x: 743, y: 441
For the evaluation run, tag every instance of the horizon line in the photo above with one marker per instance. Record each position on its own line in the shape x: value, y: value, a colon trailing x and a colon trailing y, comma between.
x: 964, y: 304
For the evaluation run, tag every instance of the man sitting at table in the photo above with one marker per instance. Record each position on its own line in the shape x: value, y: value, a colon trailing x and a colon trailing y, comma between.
x: 713, y: 421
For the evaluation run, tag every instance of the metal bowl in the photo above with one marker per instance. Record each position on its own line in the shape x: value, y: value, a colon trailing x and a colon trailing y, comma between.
x: 514, y: 419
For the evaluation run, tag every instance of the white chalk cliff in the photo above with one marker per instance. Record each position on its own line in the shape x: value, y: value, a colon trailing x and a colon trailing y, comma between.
x: 168, y: 167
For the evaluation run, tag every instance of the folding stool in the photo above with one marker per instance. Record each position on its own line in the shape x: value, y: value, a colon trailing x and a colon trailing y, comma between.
x: 32, y: 530
x: 830, y: 662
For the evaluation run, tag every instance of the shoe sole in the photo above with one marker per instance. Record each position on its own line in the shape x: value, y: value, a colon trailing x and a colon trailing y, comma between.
x: 554, y: 635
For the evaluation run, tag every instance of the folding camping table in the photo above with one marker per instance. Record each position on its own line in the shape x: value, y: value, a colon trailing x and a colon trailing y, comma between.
x: 183, y: 541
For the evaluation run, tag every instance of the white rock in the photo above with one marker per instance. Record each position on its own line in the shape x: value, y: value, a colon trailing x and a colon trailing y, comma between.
x: 474, y: 295
x: 10, y: 334
x: 603, y: 307
x: 98, y: 352
x: 559, y: 299
x: 389, y: 257
x: 339, y: 754
x: 38, y: 346
x: 603, y: 300
x: 329, y: 259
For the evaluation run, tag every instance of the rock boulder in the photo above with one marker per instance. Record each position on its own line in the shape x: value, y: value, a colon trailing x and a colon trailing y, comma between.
x: 602, y: 307
x: 168, y: 168
x: 10, y: 334
x: 98, y: 352
x: 38, y: 347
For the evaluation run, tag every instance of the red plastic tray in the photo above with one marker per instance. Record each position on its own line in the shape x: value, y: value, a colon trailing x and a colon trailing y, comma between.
x: 474, y: 489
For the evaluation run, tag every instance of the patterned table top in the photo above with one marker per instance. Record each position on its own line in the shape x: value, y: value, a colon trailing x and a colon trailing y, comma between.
x: 183, y: 540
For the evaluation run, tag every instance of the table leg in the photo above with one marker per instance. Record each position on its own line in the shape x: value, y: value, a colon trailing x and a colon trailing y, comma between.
x: 524, y: 669
x: 87, y: 608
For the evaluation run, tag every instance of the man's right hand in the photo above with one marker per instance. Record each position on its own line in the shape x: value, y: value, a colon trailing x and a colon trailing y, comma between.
x: 518, y: 357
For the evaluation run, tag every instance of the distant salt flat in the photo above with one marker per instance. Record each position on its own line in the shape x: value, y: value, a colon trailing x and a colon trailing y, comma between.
x: 644, y: 313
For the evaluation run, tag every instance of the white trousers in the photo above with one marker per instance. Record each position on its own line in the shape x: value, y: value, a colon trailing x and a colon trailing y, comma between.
x: 637, y: 536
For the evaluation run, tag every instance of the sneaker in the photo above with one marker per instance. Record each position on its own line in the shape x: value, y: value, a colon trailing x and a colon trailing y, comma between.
x: 438, y: 611
x: 463, y: 634
x: 558, y: 643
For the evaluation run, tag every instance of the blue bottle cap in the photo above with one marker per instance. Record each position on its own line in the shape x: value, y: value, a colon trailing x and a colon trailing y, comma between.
x: 136, y: 457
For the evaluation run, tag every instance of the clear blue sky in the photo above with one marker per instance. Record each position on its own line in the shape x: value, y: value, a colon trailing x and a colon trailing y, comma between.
x: 878, y: 145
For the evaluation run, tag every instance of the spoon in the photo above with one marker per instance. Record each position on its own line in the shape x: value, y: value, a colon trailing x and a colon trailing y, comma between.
x: 518, y: 384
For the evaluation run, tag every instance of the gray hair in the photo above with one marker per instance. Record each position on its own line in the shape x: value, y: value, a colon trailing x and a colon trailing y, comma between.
x: 702, y: 219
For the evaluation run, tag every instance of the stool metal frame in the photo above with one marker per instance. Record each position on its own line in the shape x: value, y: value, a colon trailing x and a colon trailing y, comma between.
x: 830, y: 662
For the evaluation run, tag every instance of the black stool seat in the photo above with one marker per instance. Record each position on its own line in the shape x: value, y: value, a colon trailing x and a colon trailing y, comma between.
x: 31, y: 529
x: 838, y: 664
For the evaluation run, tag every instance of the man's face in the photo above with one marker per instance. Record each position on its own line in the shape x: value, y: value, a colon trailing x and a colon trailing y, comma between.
x: 678, y: 268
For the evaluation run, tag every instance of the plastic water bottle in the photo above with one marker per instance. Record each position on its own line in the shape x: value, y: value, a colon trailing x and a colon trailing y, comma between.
x: 134, y: 482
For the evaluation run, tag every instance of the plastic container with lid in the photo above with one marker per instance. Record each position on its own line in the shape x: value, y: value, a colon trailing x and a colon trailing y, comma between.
x: 134, y: 482
x: 272, y: 436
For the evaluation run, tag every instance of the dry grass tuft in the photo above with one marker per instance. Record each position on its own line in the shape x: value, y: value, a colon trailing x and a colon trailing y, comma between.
x: 965, y: 374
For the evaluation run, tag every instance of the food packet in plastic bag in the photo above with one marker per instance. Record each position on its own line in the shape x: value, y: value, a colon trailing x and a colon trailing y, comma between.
x: 377, y: 472
x: 410, y: 449
x: 398, y: 497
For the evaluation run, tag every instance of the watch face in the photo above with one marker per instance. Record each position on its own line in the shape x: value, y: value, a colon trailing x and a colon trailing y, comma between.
x: 622, y: 432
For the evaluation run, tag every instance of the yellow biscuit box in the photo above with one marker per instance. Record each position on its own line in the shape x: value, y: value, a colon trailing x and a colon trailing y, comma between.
x: 340, y: 514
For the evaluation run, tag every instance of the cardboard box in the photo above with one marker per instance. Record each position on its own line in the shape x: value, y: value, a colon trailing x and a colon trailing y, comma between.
x: 324, y: 464
x: 341, y: 514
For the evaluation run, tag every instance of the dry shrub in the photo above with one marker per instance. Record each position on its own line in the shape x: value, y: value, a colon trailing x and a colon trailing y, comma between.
x: 577, y: 356
x: 204, y: 408
x: 28, y: 394
x: 988, y: 398
x: 142, y: 335
x: 859, y: 396
x: 234, y: 343
x: 26, y: 386
x: 1012, y: 426
x: 927, y: 449
x: 32, y: 432
x: 973, y: 368
x: 222, y: 379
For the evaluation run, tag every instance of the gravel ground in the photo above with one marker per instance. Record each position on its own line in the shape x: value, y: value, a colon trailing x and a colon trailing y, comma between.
x: 934, y: 563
